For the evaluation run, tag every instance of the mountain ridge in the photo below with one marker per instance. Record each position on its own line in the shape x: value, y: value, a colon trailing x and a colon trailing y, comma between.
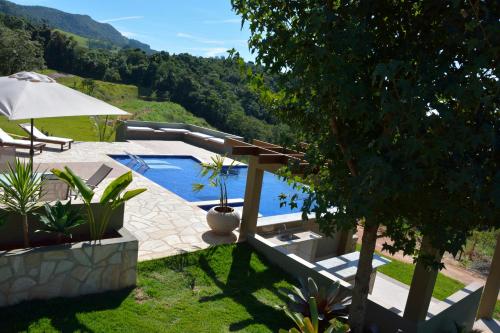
x: 79, y: 24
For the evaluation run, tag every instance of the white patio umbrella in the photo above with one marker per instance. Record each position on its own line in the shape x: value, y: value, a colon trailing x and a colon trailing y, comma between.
x: 30, y: 95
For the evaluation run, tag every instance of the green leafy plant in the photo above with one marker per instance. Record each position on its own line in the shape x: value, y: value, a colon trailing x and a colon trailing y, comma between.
x: 60, y: 219
x: 311, y: 324
x: 20, y: 192
x: 217, y: 174
x: 332, y: 302
x: 111, y: 199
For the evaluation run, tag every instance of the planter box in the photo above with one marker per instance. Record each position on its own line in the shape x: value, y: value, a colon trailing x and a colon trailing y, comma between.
x: 68, y: 270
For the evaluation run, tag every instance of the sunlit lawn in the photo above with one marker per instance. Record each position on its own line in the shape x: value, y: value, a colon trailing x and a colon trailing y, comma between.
x: 222, y: 289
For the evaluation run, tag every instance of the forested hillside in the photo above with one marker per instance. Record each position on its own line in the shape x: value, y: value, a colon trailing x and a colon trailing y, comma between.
x: 82, y: 25
x: 210, y: 88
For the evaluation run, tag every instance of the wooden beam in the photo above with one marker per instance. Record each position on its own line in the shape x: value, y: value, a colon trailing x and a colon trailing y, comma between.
x: 273, y: 159
x: 235, y: 142
x: 245, y: 150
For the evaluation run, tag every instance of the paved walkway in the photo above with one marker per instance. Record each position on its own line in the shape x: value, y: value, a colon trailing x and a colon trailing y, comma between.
x: 164, y: 223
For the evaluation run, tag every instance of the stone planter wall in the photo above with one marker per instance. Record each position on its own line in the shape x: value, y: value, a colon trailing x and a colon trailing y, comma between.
x: 68, y: 270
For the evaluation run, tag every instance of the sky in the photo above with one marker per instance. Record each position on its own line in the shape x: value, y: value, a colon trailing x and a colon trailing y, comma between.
x: 200, y: 27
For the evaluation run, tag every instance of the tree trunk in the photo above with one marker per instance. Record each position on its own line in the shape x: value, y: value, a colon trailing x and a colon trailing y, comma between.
x: 362, y: 280
x: 25, y: 231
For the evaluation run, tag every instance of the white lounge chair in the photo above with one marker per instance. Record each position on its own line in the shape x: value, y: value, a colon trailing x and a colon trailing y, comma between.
x: 40, y: 136
x: 7, y: 141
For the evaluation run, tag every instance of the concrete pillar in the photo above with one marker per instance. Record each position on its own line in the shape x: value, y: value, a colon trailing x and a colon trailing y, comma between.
x: 422, y: 286
x: 345, y: 242
x: 492, y: 287
x: 252, y: 199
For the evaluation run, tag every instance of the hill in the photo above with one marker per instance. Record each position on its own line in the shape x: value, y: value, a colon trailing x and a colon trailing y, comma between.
x: 123, y: 96
x: 82, y: 25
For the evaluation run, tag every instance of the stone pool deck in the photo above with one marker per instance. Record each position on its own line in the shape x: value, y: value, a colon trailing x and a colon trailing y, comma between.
x: 164, y: 223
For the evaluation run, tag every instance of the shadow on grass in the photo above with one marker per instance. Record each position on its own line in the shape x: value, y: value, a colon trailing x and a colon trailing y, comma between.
x: 242, y: 282
x: 61, y: 312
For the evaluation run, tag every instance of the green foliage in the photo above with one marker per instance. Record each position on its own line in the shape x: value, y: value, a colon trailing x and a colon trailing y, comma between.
x: 21, y: 187
x: 18, y: 52
x: 161, y: 112
x: 111, y: 199
x: 235, y: 289
x: 59, y: 218
x: 81, y: 25
x: 20, y: 191
x: 217, y: 174
x: 331, y: 303
x: 311, y: 324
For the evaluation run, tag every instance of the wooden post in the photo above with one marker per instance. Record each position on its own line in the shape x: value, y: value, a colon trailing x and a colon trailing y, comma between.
x: 492, y: 286
x: 422, y: 286
x: 252, y: 199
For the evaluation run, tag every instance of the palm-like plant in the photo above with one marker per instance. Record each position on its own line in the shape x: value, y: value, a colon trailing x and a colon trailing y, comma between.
x: 111, y: 199
x: 20, y: 192
x: 331, y: 303
x: 217, y: 174
x: 60, y: 219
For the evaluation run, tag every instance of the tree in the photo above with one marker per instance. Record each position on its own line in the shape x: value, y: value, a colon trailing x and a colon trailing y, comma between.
x: 399, y: 102
x: 18, y: 52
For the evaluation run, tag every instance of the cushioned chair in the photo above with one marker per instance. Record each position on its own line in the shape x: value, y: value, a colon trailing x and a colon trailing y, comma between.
x: 40, y: 136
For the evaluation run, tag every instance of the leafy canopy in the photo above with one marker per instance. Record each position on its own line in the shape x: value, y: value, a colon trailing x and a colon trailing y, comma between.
x: 399, y: 100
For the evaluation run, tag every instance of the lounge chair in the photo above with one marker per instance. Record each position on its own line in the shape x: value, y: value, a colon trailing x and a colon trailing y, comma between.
x: 53, y: 188
x: 7, y: 157
x: 38, y: 135
x: 98, y: 176
x: 7, y: 141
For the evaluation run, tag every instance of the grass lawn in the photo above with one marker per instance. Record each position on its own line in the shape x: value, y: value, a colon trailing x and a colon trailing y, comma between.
x: 445, y: 286
x: 221, y: 289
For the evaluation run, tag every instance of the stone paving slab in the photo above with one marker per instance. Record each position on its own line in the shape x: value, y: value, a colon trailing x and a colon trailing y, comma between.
x: 164, y: 223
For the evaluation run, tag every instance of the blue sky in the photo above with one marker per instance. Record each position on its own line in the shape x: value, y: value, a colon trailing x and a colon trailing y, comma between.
x: 200, y: 27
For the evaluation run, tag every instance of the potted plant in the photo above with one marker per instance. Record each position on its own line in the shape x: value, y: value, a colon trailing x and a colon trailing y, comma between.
x: 111, y: 199
x: 222, y: 219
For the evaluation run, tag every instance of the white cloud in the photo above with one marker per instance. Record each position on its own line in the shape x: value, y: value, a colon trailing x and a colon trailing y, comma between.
x: 226, y: 21
x: 199, y: 39
x: 123, y: 18
x: 211, y: 51
x: 128, y: 34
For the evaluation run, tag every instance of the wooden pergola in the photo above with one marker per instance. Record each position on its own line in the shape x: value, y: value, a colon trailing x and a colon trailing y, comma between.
x: 263, y: 156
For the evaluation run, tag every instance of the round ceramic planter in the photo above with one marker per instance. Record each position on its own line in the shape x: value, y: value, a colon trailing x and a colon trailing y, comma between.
x: 223, y: 223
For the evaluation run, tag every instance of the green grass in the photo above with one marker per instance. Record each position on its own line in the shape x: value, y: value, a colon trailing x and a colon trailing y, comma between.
x: 403, y: 272
x: 221, y: 289
x: 445, y: 286
x: 161, y: 112
x: 121, y: 95
x: 81, y: 41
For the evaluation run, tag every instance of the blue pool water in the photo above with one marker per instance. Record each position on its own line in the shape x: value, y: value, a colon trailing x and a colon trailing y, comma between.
x: 178, y: 174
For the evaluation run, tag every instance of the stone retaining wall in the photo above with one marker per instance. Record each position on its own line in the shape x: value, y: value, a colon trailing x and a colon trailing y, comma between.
x: 68, y: 270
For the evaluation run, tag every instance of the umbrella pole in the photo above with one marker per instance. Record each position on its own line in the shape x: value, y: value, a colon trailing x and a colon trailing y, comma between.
x: 32, y: 151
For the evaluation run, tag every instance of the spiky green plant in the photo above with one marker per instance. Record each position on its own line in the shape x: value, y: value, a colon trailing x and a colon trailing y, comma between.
x: 331, y: 303
x: 111, y: 199
x: 60, y: 219
x: 311, y: 324
x: 217, y: 174
x: 21, y: 187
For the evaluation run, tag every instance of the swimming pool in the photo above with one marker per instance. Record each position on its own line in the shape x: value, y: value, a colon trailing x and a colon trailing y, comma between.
x: 178, y: 174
